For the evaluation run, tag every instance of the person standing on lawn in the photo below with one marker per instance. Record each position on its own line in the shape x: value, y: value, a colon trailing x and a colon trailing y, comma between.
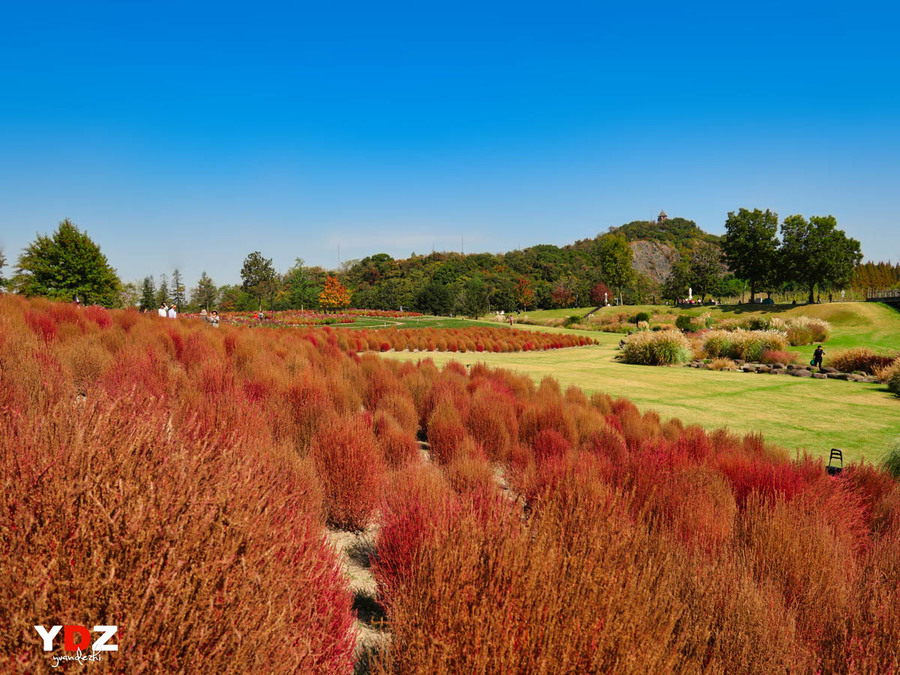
x: 817, y: 357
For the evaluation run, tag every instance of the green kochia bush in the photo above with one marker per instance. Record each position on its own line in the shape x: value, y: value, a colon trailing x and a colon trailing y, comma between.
x: 663, y: 348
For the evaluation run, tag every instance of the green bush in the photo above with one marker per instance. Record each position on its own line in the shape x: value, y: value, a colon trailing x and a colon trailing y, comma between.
x: 641, y: 316
x: 683, y: 322
x: 891, y: 461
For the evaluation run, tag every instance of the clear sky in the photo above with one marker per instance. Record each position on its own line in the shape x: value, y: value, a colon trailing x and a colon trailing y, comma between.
x: 189, y: 134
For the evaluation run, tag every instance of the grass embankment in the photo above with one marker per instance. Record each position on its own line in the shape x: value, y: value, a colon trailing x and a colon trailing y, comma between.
x: 813, y: 415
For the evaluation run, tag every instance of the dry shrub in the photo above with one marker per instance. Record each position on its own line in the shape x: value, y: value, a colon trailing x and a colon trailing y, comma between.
x: 351, y: 470
x: 860, y: 359
x: 721, y: 364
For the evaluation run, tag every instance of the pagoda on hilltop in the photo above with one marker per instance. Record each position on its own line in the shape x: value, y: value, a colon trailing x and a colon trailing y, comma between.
x: 662, y: 217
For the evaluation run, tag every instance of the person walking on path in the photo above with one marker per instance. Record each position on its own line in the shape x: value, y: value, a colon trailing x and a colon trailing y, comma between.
x: 817, y: 357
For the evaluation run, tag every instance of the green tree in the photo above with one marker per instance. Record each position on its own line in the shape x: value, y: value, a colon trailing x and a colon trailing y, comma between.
x: 705, y: 268
x: 615, y: 257
x: 67, y: 265
x: 178, y: 289
x: 675, y: 287
x: 148, y: 294
x: 162, y: 293
x: 206, y: 293
x: 258, y: 277
x: 2, y: 265
x: 816, y: 253
x: 750, y: 246
x: 302, y: 292
x: 472, y: 298
x: 129, y: 295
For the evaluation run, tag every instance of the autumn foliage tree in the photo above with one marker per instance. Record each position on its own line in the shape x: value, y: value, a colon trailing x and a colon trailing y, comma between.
x: 335, y: 295
x: 524, y: 293
x: 600, y: 294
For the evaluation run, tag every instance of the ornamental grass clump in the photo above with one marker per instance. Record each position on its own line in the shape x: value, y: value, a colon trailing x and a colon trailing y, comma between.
x: 748, y: 345
x: 663, y: 348
x: 860, y: 359
x: 802, y: 330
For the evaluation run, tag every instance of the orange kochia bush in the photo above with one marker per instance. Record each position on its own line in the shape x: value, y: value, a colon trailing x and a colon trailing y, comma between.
x: 177, y: 480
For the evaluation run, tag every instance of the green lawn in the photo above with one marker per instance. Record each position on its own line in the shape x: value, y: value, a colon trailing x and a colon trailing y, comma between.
x: 800, y: 414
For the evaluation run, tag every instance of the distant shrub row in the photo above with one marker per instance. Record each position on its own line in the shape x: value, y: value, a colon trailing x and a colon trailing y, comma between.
x: 476, y: 339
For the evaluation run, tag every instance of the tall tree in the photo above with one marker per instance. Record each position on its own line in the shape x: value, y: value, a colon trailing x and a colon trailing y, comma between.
x: 178, y: 289
x: 705, y: 268
x: 301, y: 290
x: 335, y: 295
x: 2, y: 265
x: 258, y: 277
x: 65, y: 266
x: 162, y: 293
x: 148, y: 294
x: 524, y: 293
x: 615, y: 256
x: 206, y: 293
x: 750, y: 246
x: 816, y: 253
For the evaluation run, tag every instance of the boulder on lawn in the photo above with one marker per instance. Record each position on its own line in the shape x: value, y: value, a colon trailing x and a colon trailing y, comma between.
x: 839, y: 376
x: 800, y: 372
x: 749, y: 369
x: 829, y: 370
x: 764, y: 369
x: 820, y: 376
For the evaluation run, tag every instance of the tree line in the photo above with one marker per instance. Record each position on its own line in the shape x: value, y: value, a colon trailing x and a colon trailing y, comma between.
x: 812, y: 255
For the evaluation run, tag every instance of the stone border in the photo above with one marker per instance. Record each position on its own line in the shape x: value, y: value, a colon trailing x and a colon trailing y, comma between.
x: 790, y: 369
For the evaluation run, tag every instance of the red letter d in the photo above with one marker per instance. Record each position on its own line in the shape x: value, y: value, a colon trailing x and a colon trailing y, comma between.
x: 84, y: 642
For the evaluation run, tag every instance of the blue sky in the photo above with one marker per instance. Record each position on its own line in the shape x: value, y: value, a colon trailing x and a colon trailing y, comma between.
x: 190, y: 134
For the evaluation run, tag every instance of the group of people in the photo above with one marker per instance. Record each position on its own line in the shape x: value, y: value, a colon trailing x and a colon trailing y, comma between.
x: 166, y: 311
x: 212, y: 318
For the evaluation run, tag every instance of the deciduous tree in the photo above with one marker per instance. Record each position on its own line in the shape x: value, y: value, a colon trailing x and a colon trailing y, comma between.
x: 815, y: 253
x: 615, y: 256
x: 750, y: 246
x: 258, y: 277
x: 600, y: 294
x: 67, y: 265
x: 334, y: 295
x: 524, y: 293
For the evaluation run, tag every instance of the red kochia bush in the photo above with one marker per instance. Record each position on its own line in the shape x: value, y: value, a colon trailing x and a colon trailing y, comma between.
x: 201, y: 550
x: 350, y: 468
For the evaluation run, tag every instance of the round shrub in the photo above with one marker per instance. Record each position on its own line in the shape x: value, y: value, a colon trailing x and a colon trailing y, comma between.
x: 683, y: 322
x: 661, y: 348
x: 641, y: 316
x: 860, y: 358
